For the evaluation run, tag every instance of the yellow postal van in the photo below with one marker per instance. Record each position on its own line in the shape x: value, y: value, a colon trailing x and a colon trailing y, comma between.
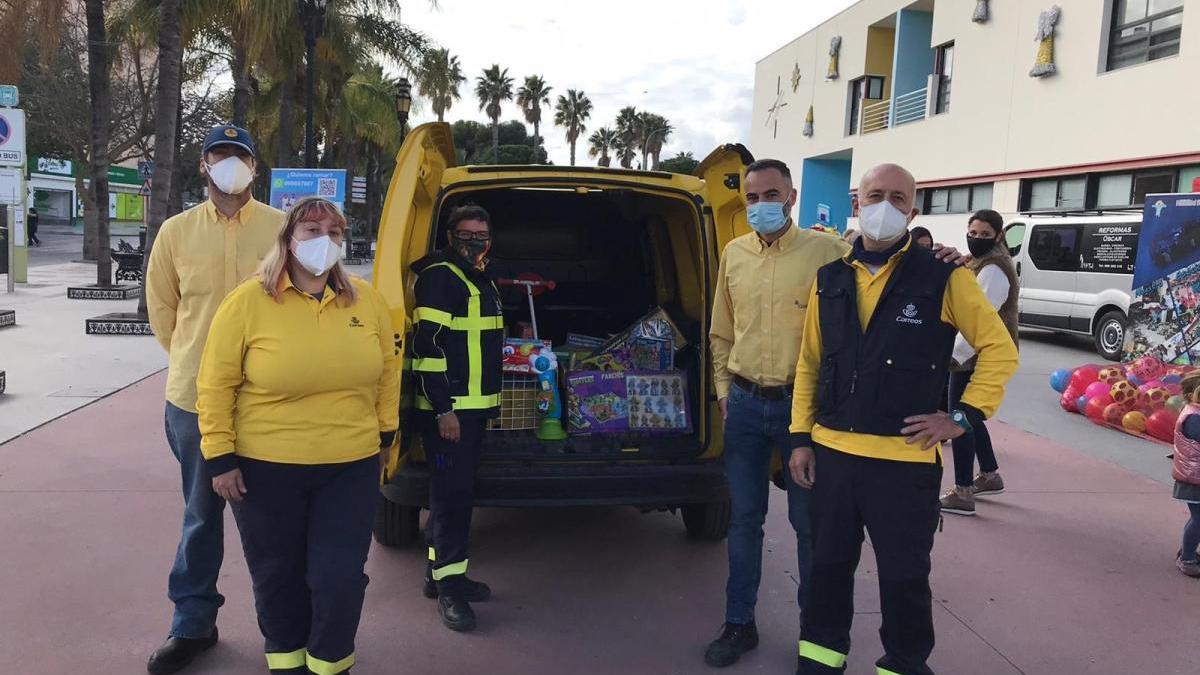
x: 617, y: 244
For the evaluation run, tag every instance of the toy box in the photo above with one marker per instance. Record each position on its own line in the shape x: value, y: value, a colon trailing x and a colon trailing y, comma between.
x: 600, y: 402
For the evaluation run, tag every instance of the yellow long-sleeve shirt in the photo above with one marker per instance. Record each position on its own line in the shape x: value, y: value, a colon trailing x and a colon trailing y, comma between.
x: 759, y: 304
x: 964, y: 306
x: 198, y: 257
x: 300, y: 381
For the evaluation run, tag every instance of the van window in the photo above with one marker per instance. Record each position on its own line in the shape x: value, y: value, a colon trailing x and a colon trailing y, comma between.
x: 1055, y: 247
x: 1109, y: 247
x: 1014, y: 237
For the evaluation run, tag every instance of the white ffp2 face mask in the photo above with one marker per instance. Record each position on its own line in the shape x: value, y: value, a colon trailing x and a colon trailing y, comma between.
x: 230, y: 175
x: 318, y: 255
x: 882, y: 221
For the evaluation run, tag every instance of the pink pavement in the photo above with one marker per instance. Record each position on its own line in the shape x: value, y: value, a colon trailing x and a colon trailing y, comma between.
x: 1070, y: 572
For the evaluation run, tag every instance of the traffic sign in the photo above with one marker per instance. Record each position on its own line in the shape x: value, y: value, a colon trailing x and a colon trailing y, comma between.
x: 145, y: 169
x: 144, y: 191
x: 10, y: 96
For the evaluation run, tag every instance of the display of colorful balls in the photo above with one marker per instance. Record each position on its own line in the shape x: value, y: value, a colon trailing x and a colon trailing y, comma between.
x: 1095, y: 406
x: 1161, y: 424
x: 1098, y: 388
x: 1124, y: 393
x: 1134, y: 421
x: 1059, y: 379
x: 1153, y: 399
x: 1172, y: 378
x: 1147, y: 368
x: 1173, y: 388
x: 1153, y: 384
x: 1133, y: 379
x: 1176, y: 402
x: 1067, y: 402
x: 1083, y: 376
x: 1081, y: 405
x: 1111, y: 375
x: 1113, y: 412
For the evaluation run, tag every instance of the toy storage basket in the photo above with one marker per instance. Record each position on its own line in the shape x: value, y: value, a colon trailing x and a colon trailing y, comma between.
x: 518, y: 403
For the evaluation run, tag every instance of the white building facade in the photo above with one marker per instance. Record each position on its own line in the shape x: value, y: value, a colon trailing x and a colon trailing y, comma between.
x: 985, y: 111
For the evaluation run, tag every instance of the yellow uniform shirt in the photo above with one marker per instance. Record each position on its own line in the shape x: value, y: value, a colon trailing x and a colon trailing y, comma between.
x: 300, y: 381
x: 759, y: 304
x: 199, y: 256
x: 964, y: 306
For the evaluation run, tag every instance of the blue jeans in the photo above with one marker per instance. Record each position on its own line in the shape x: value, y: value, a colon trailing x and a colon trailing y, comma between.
x: 192, y: 585
x: 753, y: 429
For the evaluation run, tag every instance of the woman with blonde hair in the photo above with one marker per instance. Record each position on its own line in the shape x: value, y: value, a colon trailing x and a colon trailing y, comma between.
x: 298, y: 392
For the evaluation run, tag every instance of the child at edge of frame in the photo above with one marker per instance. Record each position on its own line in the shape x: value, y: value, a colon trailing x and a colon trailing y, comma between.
x: 1186, y: 472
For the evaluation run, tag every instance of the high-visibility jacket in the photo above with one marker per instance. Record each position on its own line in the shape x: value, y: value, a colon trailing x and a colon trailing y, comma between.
x: 458, y: 344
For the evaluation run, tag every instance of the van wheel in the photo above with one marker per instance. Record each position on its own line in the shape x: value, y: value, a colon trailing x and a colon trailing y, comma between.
x: 707, y: 522
x: 1110, y: 335
x: 396, y: 525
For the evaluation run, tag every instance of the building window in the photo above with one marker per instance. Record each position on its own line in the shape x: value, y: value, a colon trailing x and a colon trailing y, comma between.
x: 943, y: 67
x: 1097, y: 191
x: 1069, y: 192
x: 1144, y: 30
x: 866, y: 90
x: 957, y: 199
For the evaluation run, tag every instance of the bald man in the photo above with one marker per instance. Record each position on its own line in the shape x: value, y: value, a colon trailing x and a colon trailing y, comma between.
x: 867, y: 425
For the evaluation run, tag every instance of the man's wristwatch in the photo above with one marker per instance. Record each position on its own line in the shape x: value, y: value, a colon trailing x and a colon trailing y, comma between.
x: 960, y: 418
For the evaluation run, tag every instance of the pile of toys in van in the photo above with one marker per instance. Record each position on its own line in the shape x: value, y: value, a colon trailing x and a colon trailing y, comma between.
x: 1141, y: 397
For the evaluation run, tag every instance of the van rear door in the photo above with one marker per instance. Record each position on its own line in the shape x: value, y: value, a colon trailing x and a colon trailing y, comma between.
x: 723, y: 172
x: 404, y: 226
x: 1106, y: 255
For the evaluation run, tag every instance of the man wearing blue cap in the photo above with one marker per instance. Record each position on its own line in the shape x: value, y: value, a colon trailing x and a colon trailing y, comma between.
x: 198, y: 257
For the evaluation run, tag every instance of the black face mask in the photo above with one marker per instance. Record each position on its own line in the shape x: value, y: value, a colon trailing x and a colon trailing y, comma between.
x: 472, y: 249
x: 980, y: 246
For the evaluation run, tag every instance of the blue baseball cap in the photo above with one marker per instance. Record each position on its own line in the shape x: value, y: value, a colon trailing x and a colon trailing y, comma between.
x: 227, y: 134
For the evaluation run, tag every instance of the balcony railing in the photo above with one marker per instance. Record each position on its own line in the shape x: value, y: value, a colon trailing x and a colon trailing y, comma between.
x: 910, y: 107
x: 875, y: 116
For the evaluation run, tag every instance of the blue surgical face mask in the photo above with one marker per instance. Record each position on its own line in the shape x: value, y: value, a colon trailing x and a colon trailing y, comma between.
x: 766, y: 217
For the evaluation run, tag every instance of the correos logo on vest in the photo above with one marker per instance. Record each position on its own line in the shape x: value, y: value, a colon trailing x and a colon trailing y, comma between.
x: 910, y: 314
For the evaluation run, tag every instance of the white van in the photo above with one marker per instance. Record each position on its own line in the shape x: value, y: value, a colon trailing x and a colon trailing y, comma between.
x: 1076, y: 273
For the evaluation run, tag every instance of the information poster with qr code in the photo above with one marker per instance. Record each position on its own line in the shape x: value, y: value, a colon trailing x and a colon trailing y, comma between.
x: 289, y: 186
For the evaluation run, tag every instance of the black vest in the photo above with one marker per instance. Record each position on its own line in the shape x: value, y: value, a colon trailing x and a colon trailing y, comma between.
x: 869, y: 382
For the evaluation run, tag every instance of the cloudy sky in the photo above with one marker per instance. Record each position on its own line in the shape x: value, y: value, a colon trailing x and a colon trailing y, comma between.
x: 690, y: 61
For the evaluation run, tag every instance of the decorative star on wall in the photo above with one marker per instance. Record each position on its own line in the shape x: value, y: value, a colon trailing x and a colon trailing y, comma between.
x: 795, y: 77
x: 773, y: 111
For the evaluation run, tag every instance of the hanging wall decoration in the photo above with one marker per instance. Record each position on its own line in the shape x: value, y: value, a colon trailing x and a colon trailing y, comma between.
x: 795, y: 77
x: 835, y: 46
x: 808, y: 123
x: 981, y: 11
x: 1044, y: 65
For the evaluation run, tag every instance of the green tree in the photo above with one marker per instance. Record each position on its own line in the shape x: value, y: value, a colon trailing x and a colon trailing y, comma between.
x: 98, y: 90
x: 531, y: 97
x: 492, y: 89
x: 473, y: 144
x: 572, y: 112
x: 438, y: 80
x: 601, y: 143
x: 653, y: 132
x: 684, y: 163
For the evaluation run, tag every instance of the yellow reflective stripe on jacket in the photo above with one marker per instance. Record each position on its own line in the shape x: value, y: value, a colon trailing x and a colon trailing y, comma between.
x: 463, y: 402
x: 884, y: 671
x: 822, y: 655
x: 322, y: 667
x: 286, y: 661
x: 477, y: 324
x: 453, y: 569
x: 433, y: 316
x: 429, y: 365
x: 432, y: 554
x: 474, y: 349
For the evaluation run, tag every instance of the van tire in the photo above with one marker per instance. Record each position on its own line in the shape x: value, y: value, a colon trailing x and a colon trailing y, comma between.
x: 1109, y: 335
x: 707, y: 522
x: 396, y: 525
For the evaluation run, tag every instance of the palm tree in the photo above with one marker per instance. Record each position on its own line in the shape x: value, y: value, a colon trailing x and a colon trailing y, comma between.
x: 438, y: 80
x: 629, y: 132
x: 166, y: 118
x: 98, y: 87
x: 655, y: 130
x: 492, y: 89
x: 571, y: 112
x: 600, y: 143
x: 531, y: 96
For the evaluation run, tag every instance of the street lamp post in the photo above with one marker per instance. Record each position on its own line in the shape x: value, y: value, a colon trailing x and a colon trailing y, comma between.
x: 312, y: 20
x: 403, y: 105
x: 646, y: 142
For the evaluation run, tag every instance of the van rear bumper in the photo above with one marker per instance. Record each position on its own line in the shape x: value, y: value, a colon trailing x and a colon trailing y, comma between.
x: 666, y: 485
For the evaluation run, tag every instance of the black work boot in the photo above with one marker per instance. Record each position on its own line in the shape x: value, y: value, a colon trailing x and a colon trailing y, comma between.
x: 178, y: 653
x: 456, y: 613
x: 472, y: 591
x: 736, y: 639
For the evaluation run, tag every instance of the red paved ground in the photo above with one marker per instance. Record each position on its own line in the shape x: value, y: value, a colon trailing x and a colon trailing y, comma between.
x: 1070, y: 572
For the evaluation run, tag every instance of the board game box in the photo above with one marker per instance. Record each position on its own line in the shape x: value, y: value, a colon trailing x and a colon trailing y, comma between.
x: 601, y: 402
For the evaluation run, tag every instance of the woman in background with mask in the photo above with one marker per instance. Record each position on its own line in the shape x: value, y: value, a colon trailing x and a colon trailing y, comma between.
x: 996, y: 274
x: 298, y: 392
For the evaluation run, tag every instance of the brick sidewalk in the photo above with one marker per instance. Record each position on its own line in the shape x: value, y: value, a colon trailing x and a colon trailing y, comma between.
x: 1070, y: 572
